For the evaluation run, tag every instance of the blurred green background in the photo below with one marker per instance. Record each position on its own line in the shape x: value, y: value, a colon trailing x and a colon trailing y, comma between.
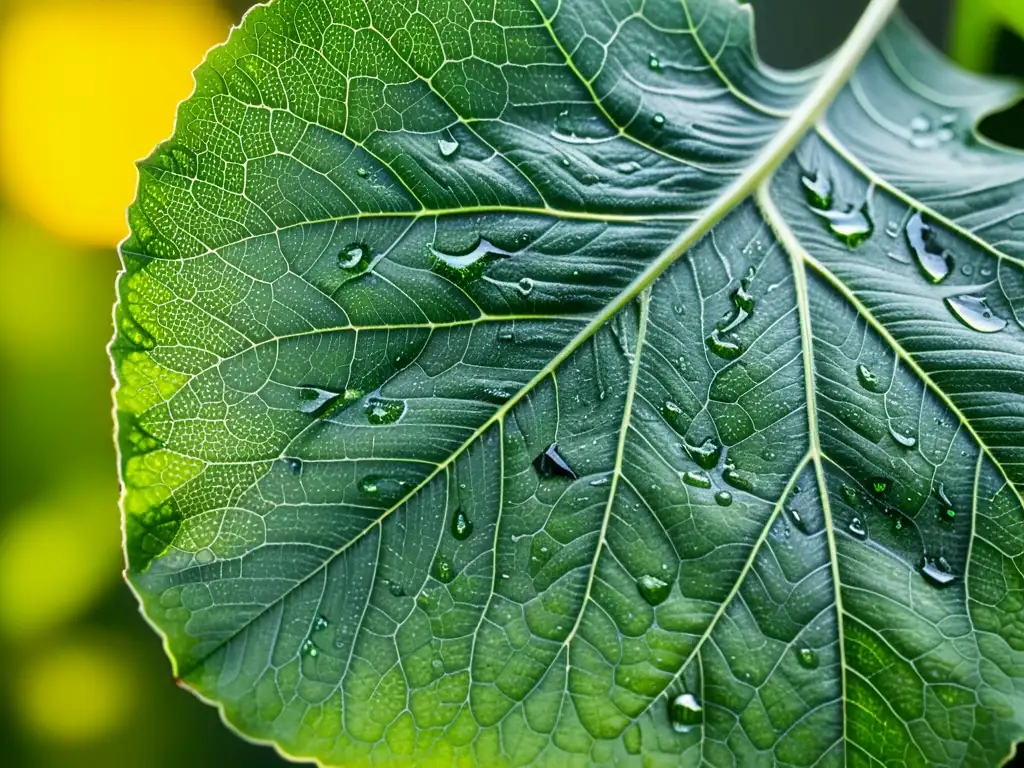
x: 86, y: 88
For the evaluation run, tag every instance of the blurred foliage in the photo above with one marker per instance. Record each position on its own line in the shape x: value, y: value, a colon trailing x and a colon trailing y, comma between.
x: 976, y: 27
x: 91, y: 686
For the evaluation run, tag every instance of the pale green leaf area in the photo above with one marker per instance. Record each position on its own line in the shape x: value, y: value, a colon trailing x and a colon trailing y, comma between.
x: 552, y: 383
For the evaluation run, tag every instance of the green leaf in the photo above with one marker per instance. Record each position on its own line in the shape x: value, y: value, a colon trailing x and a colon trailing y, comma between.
x: 555, y: 384
x: 975, y: 29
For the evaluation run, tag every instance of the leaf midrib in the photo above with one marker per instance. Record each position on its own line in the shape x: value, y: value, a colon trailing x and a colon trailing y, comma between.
x: 774, y: 153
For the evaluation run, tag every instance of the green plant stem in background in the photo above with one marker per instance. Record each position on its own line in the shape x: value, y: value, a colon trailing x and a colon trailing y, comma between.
x: 975, y: 29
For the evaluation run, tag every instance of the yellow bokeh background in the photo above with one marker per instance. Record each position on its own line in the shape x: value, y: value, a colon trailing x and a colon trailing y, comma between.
x: 87, y: 88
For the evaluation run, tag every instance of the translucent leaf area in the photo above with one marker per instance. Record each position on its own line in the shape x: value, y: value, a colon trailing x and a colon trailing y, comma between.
x: 552, y: 383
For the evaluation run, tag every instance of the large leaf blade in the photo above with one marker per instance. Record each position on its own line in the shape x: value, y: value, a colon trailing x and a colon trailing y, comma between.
x: 318, y: 389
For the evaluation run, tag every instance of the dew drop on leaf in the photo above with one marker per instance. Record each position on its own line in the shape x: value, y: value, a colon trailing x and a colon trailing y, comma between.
x: 382, y: 411
x: 552, y: 464
x: 447, y: 147
x: 867, y: 378
x: 808, y: 658
x: 935, y: 266
x: 723, y: 498
x: 852, y: 226
x: 396, y: 589
x: 462, y: 527
x: 798, y: 521
x: 652, y: 589
x: 205, y: 556
x: 658, y: 120
x: 849, y: 494
x: 466, y: 267
x: 443, y: 570
x: 705, y: 455
x: 903, y: 440
x: 857, y: 529
x: 653, y: 62
x: 362, y: 173
x: 320, y: 623
x: 937, y: 571
x: 671, y: 411
x: 973, y: 311
x: 727, y: 350
x: 818, y: 190
x: 295, y: 466
x: 685, y: 713
x: 310, y: 649
x: 354, y: 258
x: 697, y: 479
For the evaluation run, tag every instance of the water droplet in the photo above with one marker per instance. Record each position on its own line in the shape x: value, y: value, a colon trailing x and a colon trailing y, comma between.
x: 867, y: 378
x: 852, y: 226
x: 937, y: 571
x: 727, y: 350
x: 818, y: 191
x: 920, y: 124
x: 798, y: 522
x: 903, y: 440
x: 380, y: 411
x: 370, y: 485
x: 320, y: 623
x: 879, y: 485
x: 892, y: 229
x: 551, y: 464
x: 808, y: 658
x: 947, y: 513
x: 525, y: 286
x: 653, y: 589
x: 685, y: 713
x: 628, y: 167
x: 396, y: 589
x: 658, y: 120
x: 742, y: 298
x: 706, y: 454
x: 672, y: 412
x: 723, y: 498
x: 462, y: 527
x: 653, y: 62
x: 697, y: 479
x: 205, y: 556
x: 986, y: 271
x: 354, y: 258
x: 466, y: 267
x: 973, y: 312
x: 737, y: 478
x: 444, y: 571
x: 857, y: 529
x: 604, y: 480
x: 849, y: 494
x: 935, y: 266
x: 295, y: 466
x: 447, y: 147
x: 310, y: 649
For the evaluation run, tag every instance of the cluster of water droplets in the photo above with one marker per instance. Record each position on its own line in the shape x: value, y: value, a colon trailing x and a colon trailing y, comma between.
x: 719, y: 342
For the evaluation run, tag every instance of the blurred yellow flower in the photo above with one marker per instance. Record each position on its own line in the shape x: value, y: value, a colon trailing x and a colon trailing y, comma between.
x: 56, y: 557
x: 86, y: 89
x: 75, y: 692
